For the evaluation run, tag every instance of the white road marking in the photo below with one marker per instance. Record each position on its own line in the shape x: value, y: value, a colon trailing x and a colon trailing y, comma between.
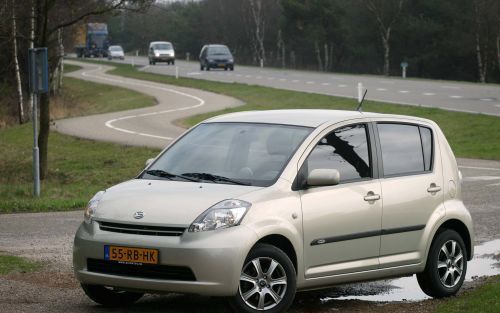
x: 497, y: 105
x: 341, y: 86
x: 295, y: 81
x: 429, y: 94
x: 283, y: 79
x: 109, y: 123
x: 451, y: 87
x: 481, y: 178
x: 486, y: 99
x: 193, y: 73
x: 403, y: 91
x: 493, y: 185
x: 271, y: 78
x: 248, y: 76
x: 481, y: 168
x: 310, y: 83
x: 381, y: 89
x: 456, y: 97
x: 325, y: 84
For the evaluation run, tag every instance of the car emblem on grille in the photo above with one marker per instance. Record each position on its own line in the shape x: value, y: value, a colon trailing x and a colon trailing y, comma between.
x: 138, y: 215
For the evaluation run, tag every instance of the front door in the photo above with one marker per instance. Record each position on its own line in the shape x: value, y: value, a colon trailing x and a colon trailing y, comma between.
x: 342, y: 223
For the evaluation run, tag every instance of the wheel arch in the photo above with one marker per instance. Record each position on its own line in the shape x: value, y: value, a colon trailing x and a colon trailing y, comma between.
x: 283, y: 243
x: 461, y: 229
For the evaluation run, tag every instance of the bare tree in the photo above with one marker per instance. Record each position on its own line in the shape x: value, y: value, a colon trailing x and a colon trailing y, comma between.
x: 498, y: 46
x: 20, y: 102
x: 386, y: 13
x: 257, y: 12
x: 481, y: 54
x: 52, y: 15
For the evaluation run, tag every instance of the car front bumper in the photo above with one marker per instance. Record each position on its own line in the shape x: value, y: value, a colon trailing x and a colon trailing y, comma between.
x: 215, y: 258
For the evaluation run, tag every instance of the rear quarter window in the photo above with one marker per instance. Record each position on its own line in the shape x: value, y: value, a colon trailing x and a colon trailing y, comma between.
x: 406, y: 149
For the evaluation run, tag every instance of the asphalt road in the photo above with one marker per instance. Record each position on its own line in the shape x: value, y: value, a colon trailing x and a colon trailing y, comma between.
x: 449, y: 95
x: 152, y: 126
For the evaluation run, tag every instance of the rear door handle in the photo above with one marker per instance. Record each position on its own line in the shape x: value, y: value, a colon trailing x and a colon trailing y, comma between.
x: 371, y: 196
x: 433, y: 188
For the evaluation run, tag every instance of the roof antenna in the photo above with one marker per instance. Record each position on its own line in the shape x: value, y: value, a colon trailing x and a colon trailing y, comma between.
x: 359, y: 108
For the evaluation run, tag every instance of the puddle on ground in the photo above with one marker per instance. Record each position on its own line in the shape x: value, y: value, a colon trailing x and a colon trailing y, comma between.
x: 486, y: 262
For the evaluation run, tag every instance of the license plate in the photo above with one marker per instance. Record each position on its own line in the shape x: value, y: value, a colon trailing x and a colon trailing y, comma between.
x: 130, y: 255
x: 222, y: 65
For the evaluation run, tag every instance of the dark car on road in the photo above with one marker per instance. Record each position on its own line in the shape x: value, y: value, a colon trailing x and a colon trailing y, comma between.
x: 216, y: 56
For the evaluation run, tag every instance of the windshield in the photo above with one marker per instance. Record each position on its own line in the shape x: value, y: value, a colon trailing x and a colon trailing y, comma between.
x: 162, y: 46
x: 222, y: 50
x: 115, y: 48
x: 230, y: 153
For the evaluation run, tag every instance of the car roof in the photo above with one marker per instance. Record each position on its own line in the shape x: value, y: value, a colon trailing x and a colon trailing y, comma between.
x: 115, y: 46
x: 300, y: 117
x: 158, y: 42
x: 215, y: 46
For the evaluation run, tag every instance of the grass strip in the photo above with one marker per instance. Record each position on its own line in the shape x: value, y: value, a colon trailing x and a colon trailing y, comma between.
x: 485, y: 299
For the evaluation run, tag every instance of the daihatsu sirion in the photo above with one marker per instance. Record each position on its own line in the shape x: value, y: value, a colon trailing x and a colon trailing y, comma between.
x: 255, y: 206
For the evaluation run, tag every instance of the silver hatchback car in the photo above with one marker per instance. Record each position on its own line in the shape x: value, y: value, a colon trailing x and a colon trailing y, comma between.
x: 255, y: 206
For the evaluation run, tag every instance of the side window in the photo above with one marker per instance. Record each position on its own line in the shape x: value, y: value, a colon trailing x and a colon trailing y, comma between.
x: 346, y: 150
x: 406, y: 149
x: 427, y: 147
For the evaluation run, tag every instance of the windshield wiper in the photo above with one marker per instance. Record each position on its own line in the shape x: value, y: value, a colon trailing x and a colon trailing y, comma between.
x: 215, y: 178
x: 164, y: 174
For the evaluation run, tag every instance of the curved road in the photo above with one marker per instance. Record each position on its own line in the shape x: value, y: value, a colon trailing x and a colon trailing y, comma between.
x: 151, y: 126
x: 448, y: 95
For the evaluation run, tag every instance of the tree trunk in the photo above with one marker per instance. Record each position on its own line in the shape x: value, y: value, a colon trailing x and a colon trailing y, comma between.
x: 498, y: 49
x: 43, y: 136
x: 481, y: 64
x: 387, y: 51
x: 19, y: 84
x: 327, y: 59
x: 32, y: 44
x: 259, y: 32
x: 318, y: 56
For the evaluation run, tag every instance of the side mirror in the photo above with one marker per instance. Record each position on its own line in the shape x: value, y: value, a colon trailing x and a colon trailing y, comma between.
x: 323, y: 177
x: 149, y: 161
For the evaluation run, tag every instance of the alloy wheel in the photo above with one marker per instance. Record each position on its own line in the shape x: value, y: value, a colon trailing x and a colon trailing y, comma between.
x: 263, y: 283
x: 450, y: 263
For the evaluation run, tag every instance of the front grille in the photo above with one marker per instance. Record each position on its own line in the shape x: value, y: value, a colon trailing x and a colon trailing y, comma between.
x: 142, y: 229
x: 167, y: 272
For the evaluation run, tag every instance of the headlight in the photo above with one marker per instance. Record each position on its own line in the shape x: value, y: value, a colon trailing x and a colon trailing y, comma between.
x: 226, y: 213
x: 157, y: 54
x: 92, y: 207
x: 230, y: 60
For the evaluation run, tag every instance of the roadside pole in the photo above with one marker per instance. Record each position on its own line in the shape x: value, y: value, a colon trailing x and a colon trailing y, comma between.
x: 360, y: 92
x: 404, y: 65
x: 39, y: 84
x: 176, y: 72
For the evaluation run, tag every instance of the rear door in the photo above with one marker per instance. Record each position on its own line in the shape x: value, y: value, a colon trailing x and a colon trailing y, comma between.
x: 411, y: 189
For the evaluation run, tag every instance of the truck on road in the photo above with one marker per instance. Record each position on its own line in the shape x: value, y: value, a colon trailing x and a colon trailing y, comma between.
x: 92, y: 40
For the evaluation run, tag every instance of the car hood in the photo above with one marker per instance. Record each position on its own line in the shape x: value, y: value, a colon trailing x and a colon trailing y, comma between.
x: 164, y: 202
x: 116, y: 52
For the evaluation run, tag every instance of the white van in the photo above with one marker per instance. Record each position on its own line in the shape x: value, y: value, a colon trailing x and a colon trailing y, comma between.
x: 161, y: 51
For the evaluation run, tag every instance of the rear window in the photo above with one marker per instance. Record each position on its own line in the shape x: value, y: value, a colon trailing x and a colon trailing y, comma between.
x: 406, y: 149
x: 220, y: 50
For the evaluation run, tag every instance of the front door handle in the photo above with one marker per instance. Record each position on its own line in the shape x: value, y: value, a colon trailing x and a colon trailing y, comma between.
x: 433, y: 188
x: 371, y: 196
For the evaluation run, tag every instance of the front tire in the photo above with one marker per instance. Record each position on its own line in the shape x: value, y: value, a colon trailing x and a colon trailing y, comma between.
x: 110, y: 297
x: 268, y: 282
x: 446, y: 266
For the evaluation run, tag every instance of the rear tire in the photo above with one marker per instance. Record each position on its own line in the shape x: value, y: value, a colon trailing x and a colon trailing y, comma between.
x: 268, y: 281
x: 446, y: 265
x: 110, y: 297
